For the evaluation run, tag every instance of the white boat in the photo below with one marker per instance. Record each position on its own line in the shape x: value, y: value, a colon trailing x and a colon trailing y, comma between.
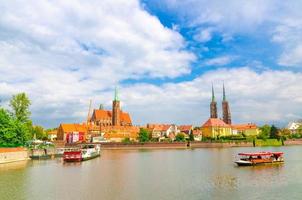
x: 85, y: 152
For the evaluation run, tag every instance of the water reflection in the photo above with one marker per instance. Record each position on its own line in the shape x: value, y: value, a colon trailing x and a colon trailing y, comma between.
x: 13, y: 166
x: 154, y: 174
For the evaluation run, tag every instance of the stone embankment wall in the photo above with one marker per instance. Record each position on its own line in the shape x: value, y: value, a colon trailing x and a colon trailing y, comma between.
x: 293, y: 142
x: 220, y: 144
x: 13, y: 154
x: 148, y: 145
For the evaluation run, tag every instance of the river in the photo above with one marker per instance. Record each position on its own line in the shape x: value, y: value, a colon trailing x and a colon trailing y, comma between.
x: 167, y: 174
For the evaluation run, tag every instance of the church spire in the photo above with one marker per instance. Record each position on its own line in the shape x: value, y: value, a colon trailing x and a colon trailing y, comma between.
x: 116, y: 98
x: 213, y: 95
x: 223, y: 90
x: 213, y: 105
x: 226, y: 113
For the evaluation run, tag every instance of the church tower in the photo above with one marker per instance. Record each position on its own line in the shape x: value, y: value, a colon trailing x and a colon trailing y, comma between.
x: 226, y: 113
x: 116, y: 109
x: 213, y: 105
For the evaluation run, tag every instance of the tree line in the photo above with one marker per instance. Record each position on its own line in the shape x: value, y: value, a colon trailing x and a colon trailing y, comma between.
x: 16, y: 127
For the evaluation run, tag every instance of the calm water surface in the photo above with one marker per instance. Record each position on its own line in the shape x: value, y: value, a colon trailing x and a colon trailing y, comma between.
x: 155, y: 174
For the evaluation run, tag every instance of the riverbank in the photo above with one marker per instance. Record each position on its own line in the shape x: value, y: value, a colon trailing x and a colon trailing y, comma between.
x: 185, y: 145
x: 8, y: 155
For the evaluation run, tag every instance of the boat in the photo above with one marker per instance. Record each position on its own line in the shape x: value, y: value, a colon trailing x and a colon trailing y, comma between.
x: 82, y: 153
x: 258, y: 158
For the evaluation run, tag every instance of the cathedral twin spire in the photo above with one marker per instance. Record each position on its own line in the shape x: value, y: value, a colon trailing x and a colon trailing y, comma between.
x: 226, y: 114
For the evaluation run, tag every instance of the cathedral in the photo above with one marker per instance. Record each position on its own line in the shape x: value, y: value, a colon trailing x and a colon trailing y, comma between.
x: 114, y: 117
x: 226, y: 113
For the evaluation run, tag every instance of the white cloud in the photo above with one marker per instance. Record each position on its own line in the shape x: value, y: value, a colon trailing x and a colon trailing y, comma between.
x: 64, y: 52
x: 204, y: 35
x: 292, y: 58
x: 266, y: 97
x: 219, y: 61
x: 278, y: 21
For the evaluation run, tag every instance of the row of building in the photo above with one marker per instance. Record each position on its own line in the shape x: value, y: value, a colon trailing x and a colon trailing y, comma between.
x: 116, y: 125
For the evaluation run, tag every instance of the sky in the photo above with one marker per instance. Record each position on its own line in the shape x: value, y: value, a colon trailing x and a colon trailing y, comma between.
x: 162, y: 55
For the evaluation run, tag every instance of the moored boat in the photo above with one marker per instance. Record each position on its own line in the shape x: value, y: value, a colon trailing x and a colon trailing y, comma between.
x: 85, y: 152
x: 258, y: 158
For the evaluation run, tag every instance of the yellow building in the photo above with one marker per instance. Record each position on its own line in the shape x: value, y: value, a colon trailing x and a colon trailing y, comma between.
x: 214, y: 128
x: 249, y: 129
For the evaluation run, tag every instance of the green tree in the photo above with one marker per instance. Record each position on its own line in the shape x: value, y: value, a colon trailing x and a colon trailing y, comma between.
x: 38, y: 132
x: 274, y: 132
x: 20, y: 105
x: 299, y: 130
x: 126, y: 140
x: 180, y: 137
x: 143, y: 135
x: 191, y: 136
x: 12, y: 131
x: 264, y: 131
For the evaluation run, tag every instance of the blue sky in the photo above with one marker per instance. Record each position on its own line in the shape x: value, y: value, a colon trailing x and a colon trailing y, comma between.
x: 163, y: 56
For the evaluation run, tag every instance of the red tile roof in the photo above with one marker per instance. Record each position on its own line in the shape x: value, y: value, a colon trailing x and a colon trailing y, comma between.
x: 244, y: 126
x: 107, y: 114
x: 216, y: 123
x: 185, y: 127
x: 73, y: 128
x: 159, y: 127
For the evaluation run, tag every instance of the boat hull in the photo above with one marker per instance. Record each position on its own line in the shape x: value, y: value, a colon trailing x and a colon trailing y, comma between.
x: 248, y: 163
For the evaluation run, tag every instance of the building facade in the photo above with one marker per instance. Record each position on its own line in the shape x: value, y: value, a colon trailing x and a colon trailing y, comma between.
x: 215, y: 128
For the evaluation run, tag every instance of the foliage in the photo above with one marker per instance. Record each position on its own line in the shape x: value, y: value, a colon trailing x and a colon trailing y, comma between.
x: 126, y: 140
x: 144, y: 135
x: 12, y: 131
x: 284, y: 132
x: 295, y: 136
x: 20, y: 106
x: 264, y: 132
x: 299, y: 130
x: 191, y: 136
x: 268, y: 142
x: 38, y: 132
x: 274, y: 132
x: 180, y: 137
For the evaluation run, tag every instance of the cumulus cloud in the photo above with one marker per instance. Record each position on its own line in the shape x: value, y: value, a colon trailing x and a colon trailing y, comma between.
x: 219, y: 61
x: 278, y: 21
x: 265, y: 97
x: 64, y: 52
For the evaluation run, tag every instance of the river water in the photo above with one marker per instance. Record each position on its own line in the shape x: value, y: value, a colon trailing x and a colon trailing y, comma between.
x: 155, y: 174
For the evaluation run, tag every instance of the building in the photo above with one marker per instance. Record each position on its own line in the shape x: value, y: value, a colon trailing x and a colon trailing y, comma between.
x: 215, y: 128
x: 197, y: 133
x: 52, y: 135
x: 162, y: 131
x: 226, y: 113
x: 72, y: 132
x: 249, y: 129
x: 294, y: 126
x: 114, y: 117
x: 186, y: 129
x: 105, y: 125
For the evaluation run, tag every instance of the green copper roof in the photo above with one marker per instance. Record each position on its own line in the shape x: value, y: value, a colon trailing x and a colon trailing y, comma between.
x: 116, y: 98
x: 213, y: 95
x: 224, y: 98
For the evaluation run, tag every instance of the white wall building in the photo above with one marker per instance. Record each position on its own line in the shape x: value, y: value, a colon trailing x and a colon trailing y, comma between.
x: 294, y: 125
